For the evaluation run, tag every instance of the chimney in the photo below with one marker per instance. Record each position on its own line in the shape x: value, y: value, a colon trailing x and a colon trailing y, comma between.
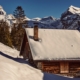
x: 36, y: 32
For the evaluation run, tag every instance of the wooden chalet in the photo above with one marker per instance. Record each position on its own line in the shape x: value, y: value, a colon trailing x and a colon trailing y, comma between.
x: 52, y: 50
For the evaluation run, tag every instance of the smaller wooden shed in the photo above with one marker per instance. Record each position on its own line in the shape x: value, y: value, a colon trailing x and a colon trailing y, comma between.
x: 52, y: 50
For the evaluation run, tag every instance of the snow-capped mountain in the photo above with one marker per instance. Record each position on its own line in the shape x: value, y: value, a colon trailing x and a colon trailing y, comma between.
x: 46, y: 22
x: 26, y: 18
x: 11, y: 19
x: 74, y: 10
x: 8, y: 18
x: 36, y: 19
x: 71, y: 18
x: 2, y: 13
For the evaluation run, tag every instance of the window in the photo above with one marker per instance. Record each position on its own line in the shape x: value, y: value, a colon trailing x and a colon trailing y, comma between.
x: 39, y: 65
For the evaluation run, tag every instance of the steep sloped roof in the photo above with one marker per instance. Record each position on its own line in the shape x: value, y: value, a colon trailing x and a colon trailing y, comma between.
x: 55, y: 44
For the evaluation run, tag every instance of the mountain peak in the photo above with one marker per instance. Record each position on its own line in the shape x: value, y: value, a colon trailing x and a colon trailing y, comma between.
x: 71, y: 6
x: 71, y: 18
x: 36, y: 19
x: 2, y: 12
x: 48, y: 18
x: 74, y: 10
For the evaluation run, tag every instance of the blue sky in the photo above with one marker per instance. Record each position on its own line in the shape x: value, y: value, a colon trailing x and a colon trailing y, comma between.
x: 39, y: 8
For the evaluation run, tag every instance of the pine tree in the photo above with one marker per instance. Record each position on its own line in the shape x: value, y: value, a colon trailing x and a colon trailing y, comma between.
x: 18, y: 31
x: 13, y: 34
x: 2, y: 33
x: 19, y: 14
x: 7, y: 37
x: 17, y: 36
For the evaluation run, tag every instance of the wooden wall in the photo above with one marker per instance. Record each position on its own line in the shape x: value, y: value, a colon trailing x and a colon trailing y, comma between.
x: 50, y: 67
x: 74, y: 67
x: 59, y: 67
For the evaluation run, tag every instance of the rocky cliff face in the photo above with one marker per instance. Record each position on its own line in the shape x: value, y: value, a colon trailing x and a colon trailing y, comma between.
x: 71, y: 18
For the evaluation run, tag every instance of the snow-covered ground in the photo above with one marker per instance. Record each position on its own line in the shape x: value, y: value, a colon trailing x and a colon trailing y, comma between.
x: 12, y: 67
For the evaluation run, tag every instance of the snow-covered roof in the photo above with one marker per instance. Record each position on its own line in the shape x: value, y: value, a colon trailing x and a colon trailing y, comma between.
x: 55, y: 44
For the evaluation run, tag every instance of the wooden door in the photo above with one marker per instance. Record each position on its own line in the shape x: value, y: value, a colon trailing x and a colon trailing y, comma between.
x: 64, y: 67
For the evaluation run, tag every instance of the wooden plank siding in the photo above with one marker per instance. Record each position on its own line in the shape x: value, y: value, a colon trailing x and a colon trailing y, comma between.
x: 59, y: 67
x: 74, y: 67
x: 51, y: 67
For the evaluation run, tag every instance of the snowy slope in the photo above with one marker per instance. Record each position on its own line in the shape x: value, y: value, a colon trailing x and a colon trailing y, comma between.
x: 15, y: 68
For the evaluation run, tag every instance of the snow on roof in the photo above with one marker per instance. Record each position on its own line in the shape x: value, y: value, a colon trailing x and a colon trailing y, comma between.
x: 55, y: 44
